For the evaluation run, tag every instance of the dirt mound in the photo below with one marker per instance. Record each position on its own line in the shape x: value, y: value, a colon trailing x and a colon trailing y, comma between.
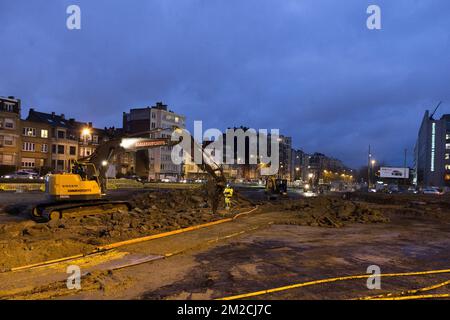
x: 179, y: 200
x: 332, y: 212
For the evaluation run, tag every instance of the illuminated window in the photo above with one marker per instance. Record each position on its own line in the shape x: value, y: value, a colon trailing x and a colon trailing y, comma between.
x: 44, y: 133
x: 29, y: 132
x: 447, y: 146
x: 447, y: 167
x: 447, y: 156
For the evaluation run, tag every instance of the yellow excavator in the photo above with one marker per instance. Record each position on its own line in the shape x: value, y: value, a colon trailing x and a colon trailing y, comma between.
x: 276, y: 188
x: 81, y: 192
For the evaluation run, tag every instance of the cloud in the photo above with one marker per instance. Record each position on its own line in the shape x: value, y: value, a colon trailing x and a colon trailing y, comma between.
x: 310, y: 68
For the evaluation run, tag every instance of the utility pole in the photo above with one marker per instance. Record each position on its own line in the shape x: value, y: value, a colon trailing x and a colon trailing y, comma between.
x: 404, y: 168
x: 368, y: 169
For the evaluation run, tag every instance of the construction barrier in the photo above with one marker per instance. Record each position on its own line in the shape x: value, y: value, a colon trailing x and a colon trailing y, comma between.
x: 22, y: 187
x: 113, y: 184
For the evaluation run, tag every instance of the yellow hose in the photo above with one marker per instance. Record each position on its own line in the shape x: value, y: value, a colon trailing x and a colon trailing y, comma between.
x: 311, y: 283
x: 128, y: 242
x: 404, y: 293
x: 423, y: 296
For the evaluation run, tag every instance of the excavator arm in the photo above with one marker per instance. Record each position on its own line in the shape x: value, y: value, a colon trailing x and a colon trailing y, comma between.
x: 103, y: 154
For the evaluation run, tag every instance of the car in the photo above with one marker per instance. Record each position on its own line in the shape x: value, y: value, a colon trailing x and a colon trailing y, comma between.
x: 22, y: 174
x: 412, y: 190
x: 432, y: 190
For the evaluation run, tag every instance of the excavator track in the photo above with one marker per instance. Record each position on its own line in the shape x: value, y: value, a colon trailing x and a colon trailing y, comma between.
x: 58, y: 210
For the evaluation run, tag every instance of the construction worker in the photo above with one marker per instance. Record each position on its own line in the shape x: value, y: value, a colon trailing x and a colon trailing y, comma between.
x: 228, y: 194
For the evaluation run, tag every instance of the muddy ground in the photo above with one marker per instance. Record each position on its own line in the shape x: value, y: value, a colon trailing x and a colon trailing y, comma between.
x: 26, y: 242
x: 301, y: 239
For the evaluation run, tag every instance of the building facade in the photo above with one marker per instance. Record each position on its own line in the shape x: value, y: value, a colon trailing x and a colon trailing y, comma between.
x: 36, y: 146
x: 285, y: 154
x: 432, y: 152
x: 154, y: 163
x: 10, y: 142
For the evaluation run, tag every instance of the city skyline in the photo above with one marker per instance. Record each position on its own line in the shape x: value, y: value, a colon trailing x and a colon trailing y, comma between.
x: 316, y: 73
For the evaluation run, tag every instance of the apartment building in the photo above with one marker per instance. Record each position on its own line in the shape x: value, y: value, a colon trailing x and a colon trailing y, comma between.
x: 9, y: 131
x: 35, y: 146
x: 63, y: 137
x: 285, y: 154
x: 155, y: 163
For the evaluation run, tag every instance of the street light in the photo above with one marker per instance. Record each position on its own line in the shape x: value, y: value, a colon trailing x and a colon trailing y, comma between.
x: 85, y: 132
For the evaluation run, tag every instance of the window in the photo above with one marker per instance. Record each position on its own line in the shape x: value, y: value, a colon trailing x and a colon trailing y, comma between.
x: 8, y: 141
x: 8, y: 159
x: 153, y: 115
x: 9, y: 123
x: 60, y: 149
x: 153, y: 125
x: 44, y: 133
x: 95, y: 139
x: 28, y: 146
x: 447, y: 167
x: 61, y: 134
x: 29, y: 132
x: 9, y: 106
x: 177, y: 119
x: 447, y: 146
x: 73, y: 151
x: 28, y: 162
x: 44, y: 148
x: 447, y: 156
x: 54, y: 148
x: 60, y: 165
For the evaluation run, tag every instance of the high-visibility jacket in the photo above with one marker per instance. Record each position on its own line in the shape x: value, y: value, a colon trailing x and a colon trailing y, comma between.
x: 228, y: 192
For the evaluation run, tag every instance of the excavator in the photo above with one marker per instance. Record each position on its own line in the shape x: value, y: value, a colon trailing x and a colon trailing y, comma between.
x: 83, y: 190
x: 276, y: 188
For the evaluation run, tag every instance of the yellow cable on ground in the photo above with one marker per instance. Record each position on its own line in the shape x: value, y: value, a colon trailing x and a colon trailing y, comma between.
x: 128, y: 242
x: 423, y: 296
x: 311, y: 283
x: 170, y: 233
x: 404, y: 293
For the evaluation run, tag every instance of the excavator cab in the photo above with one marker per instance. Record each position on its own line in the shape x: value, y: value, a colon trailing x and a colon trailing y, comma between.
x: 81, y: 183
x: 275, y: 188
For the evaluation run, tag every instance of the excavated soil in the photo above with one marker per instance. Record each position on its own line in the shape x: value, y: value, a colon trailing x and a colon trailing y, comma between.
x: 157, y: 211
x: 152, y: 212
x: 331, y: 212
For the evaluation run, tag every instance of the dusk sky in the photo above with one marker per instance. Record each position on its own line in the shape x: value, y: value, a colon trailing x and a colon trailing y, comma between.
x: 310, y: 68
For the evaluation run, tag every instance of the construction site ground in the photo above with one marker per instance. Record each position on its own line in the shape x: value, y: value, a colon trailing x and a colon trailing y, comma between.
x: 270, y: 245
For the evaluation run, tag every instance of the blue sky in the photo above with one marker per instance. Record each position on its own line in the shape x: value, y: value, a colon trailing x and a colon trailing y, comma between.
x: 308, y: 67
